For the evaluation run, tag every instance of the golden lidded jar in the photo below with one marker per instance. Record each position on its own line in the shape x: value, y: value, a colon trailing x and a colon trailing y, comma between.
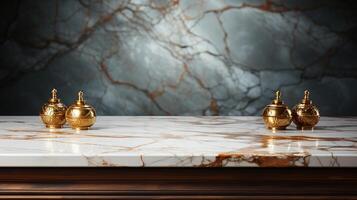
x: 80, y: 115
x: 305, y: 114
x: 53, y: 112
x: 277, y: 115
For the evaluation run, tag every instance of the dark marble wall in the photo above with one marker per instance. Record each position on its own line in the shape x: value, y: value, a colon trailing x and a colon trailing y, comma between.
x: 178, y: 57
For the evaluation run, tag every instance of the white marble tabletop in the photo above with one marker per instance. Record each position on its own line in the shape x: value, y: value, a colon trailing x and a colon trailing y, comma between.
x: 177, y: 142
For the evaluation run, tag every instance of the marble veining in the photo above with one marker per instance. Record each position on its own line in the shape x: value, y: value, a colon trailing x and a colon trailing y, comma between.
x: 178, y: 57
x: 178, y: 142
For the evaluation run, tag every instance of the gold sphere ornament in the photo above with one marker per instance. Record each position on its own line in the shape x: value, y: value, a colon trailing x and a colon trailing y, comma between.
x: 53, y: 112
x: 305, y: 114
x: 277, y: 115
x: 80, y: 115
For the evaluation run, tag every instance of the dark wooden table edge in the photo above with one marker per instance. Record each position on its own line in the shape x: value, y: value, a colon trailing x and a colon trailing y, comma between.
x: 177, y: 183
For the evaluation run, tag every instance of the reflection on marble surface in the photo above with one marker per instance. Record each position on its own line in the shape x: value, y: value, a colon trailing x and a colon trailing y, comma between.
x: 178, y: 142
x: 178, y: 57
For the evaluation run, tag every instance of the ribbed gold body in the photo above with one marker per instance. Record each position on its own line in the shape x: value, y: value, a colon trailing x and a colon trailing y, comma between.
x: 53, y: 115
x: 80, y: 117
x: 277, y: 117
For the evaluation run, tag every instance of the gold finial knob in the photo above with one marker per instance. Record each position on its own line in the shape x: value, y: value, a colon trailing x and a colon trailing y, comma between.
x: 53, y: 112
x: 305, y: 114
x: 80, y: 115
x: 277, y: 99
x: 277, y: 115
x: 54, y: 93
x: 306, y: 99
x: 54, y: 98
x: 80, y: 100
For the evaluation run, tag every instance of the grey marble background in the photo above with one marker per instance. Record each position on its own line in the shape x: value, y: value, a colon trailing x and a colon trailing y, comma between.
x: 179, y: 57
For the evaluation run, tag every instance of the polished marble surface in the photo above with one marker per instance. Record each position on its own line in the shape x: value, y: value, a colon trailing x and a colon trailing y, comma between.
x: 178, y: 142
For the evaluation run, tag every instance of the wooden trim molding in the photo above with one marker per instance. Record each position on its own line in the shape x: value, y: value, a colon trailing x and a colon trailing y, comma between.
x: 178, y: 183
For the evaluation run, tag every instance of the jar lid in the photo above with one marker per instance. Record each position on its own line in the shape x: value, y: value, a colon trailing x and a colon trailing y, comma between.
x: 80, y: 101
x: 277, y: 101
x: 54, y: 98
x: 306, y: 100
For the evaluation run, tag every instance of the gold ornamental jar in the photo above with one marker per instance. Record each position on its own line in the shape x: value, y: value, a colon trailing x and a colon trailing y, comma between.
x: 277, y: 115
x: 80, y: 115
x: 305, y: 114
x: 53, y: 112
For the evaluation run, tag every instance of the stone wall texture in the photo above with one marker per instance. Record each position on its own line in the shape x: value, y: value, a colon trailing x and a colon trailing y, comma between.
x: 178, y: 57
